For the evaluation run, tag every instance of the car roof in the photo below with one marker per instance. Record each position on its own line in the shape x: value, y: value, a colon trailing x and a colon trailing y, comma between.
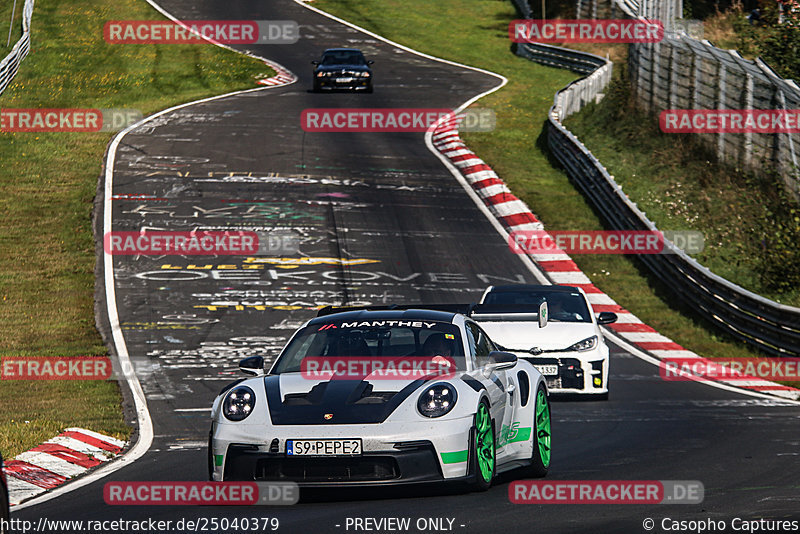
x: 533, y: 287
x: 377, y: 315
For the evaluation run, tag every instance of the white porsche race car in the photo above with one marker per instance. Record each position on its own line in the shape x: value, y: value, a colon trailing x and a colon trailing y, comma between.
x: 379, y: 397
x: 565, y: 342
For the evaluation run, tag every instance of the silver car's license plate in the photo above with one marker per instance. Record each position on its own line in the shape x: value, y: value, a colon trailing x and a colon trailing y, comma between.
x: 547, y: 370
x: 323, y: 447
x: 344, y: 80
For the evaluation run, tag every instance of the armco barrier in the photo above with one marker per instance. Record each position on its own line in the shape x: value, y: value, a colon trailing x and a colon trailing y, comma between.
x: 564, y: 58
x: 10, y: 64
x: 774, y: 328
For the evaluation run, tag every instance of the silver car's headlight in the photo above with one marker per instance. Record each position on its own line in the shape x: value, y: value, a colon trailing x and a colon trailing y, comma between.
x: 586, y: 344
x: 239, y: 403
x: 437, y: 400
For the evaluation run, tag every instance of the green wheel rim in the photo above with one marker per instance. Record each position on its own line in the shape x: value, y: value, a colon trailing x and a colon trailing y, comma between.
x: 484, y: 442
x: 543, y: 428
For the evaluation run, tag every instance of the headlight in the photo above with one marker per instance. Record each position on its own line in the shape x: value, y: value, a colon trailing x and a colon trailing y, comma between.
x: 321, y: 74
x: 239, y: 403
x: 362, y: 74
x: 587, y: 344
x: 437, y: 400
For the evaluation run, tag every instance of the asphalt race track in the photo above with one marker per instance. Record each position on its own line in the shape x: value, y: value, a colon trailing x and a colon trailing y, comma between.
x: 401, y: 228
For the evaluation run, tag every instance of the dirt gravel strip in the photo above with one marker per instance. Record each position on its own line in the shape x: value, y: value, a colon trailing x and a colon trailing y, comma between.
x: 45, y: 467
x: 559, y: 268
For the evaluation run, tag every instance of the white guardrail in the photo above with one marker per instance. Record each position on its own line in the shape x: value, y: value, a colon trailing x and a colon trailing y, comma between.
x: 10, y: 64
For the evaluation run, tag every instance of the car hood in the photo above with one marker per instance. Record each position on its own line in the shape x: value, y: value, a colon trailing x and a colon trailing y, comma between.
x: 522, y: 336
x: 296, y: 400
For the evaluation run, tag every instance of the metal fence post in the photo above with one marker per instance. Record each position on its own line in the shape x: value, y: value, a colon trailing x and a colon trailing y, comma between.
x: 793, y: 187
x: 693, y: 96
x: 747, y: 148
x: 673, y: 78
x: 11, y: 23
x: 655, y: 74
x: 721, y: 99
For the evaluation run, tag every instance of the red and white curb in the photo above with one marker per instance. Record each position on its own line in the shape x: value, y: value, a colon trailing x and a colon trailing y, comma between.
x: 282, y: 76
x: 68, y: 455
x: 559, y: 268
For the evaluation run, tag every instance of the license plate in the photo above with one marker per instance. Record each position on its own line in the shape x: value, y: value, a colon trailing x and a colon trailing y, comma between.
x: 323, y: 447
x: 344, y: 80
x: 547, y: 369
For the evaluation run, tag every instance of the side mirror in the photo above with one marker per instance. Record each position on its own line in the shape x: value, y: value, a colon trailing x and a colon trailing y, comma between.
x: 502, y: 360
x: 370, y: 62
x: 254, y: 365
x: 606, y: 318
x: 315, y: 62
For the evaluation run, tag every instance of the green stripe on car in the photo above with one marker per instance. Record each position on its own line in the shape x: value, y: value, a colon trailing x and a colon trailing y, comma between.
x: 454, y: 457
x: 523, y: 434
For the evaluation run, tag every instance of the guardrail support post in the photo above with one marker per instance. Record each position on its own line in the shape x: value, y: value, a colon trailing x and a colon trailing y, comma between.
x: 747, y: 149
x: 721, y: 103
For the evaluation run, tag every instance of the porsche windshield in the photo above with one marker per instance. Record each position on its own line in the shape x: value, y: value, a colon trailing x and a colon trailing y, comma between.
x: 562, y: 305
x: 373, y: 339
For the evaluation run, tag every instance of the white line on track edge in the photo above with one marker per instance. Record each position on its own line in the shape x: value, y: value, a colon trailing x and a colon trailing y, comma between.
x: 144, y: 421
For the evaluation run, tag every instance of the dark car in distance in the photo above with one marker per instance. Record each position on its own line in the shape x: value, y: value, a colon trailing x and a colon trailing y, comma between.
x: 342, y: 68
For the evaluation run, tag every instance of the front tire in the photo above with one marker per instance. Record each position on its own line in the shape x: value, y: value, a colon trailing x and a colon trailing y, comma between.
x: 540, y: 459
x: 482, y: 451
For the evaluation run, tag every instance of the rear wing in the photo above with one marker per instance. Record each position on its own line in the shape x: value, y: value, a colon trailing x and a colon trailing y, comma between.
x: 499, y: 314
x: 478, y: 312
x: 465, y: 309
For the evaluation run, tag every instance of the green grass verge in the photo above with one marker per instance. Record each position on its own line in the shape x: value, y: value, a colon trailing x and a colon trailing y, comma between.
x: 474, y: 32
x: 47, y: 254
